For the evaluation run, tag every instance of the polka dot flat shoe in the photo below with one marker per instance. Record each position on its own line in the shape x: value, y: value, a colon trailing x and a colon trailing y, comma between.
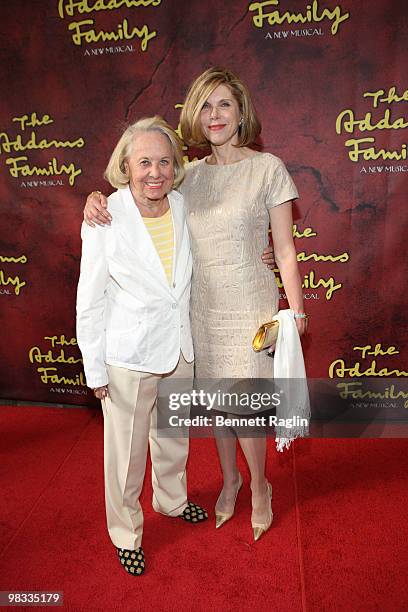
x: 193, y: 513
x: 133, y: 561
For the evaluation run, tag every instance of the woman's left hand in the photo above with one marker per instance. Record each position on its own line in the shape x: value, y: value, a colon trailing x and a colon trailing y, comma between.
x: 268, y: 258
x: 301, y: 325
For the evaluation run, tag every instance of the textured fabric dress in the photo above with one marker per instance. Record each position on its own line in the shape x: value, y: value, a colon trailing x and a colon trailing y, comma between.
x: 233, y: 292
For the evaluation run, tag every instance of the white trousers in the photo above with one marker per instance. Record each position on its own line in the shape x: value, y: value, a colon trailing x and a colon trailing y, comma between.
x: 130, y: 417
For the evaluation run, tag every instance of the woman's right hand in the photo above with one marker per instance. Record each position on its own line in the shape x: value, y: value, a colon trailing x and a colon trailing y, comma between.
x: 95, y: 210
x: 101, y: 392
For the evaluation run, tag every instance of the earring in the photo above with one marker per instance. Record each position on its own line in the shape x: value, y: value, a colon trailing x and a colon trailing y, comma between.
x: 240, y: 122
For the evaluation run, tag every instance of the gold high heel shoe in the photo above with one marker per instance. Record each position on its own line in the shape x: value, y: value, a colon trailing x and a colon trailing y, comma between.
x: 223, y: 517
x: 260, y: 528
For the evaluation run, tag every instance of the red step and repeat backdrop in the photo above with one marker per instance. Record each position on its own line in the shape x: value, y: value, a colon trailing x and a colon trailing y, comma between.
x: 327, y: 78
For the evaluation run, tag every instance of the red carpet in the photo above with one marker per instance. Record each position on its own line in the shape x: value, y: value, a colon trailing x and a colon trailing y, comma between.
x: 338, y: 542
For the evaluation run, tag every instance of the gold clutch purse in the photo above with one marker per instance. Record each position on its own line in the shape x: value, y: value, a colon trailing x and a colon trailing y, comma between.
x: 266, y: 335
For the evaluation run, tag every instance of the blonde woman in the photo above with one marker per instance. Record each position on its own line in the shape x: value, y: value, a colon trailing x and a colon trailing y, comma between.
x: 231, y: 197
x: 133, y: 329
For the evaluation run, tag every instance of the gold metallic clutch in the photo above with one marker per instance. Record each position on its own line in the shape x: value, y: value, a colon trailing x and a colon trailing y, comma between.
x: 266, y: 335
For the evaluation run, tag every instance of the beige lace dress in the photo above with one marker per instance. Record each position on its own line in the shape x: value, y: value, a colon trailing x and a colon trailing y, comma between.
x: 233, y: 292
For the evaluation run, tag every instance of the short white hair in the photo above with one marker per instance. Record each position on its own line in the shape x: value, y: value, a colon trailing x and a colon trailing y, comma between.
x: 116, y: 172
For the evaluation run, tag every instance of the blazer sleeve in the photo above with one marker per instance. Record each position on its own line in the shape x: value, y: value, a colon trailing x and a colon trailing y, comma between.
x: 91, y: 301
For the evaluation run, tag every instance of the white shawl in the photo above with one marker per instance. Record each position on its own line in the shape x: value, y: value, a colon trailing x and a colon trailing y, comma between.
x: 289, y: 371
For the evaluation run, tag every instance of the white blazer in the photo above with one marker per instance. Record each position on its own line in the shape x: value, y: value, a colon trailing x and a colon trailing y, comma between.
x: 127, y: 313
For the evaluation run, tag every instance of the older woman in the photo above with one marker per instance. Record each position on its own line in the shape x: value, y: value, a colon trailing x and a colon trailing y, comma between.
x: 133, y: 329
x: 232, y: 196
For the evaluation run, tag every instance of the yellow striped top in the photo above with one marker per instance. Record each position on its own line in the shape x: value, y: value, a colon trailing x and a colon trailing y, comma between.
x: 161, y: 232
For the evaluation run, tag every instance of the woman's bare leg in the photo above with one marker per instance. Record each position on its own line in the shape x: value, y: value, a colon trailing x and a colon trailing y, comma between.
x: 254, y: 450
x: 227, y: 453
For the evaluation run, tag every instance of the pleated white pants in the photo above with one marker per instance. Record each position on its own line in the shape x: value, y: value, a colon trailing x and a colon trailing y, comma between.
x: 130, y: 424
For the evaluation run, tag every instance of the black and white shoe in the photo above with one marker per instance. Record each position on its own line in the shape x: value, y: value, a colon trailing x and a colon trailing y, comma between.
x: 193, y: 513
x: 133, y: 561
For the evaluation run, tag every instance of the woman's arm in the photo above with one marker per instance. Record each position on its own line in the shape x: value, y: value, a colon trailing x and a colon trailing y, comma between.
x: 91, y: 305
x: 286, y: 260
x: 96, y: 210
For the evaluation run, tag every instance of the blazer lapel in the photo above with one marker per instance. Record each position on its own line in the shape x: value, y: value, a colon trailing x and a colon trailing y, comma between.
x: 178, y: 216
x: 138, y: 238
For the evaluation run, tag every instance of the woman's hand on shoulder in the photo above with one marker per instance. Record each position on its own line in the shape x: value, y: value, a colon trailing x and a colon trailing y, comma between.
x: 95, y: 210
